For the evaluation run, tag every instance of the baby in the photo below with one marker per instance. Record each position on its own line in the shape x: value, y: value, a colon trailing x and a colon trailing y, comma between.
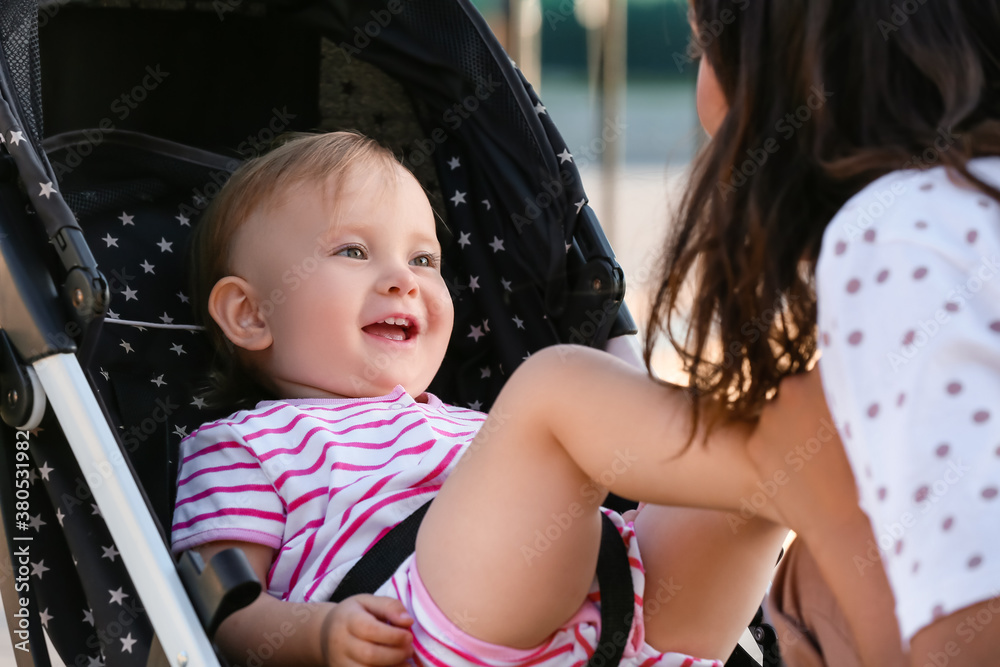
x: 318, y: 275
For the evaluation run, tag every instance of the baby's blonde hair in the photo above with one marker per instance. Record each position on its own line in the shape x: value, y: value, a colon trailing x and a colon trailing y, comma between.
x: 261, y: 183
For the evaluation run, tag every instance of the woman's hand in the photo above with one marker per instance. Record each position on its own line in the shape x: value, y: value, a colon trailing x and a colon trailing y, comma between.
x: 365, y: 630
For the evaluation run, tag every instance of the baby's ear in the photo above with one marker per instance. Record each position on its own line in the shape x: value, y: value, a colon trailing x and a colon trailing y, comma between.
x: 233, y: 306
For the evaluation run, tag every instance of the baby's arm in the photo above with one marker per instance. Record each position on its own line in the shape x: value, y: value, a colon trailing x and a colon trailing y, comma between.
x: 818, y: 500
x: 361, y: 630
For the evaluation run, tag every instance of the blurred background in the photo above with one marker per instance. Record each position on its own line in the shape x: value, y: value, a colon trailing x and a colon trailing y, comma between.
x: 618, y: 79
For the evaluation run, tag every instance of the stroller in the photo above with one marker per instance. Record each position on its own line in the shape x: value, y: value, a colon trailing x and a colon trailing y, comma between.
x: 149, y: 106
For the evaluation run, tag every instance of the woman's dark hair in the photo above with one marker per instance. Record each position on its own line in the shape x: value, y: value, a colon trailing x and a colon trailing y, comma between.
x: 824, y: 97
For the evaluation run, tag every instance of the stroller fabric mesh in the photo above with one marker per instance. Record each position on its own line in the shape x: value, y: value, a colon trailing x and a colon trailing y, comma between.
x: 19, y: 39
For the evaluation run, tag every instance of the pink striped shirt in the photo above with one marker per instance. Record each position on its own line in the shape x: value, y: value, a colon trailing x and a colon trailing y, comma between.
x: 319, y: 480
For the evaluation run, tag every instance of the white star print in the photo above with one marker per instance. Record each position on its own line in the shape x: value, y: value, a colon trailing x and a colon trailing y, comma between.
x: 16, y: 137
x: 183, y: 297
x: 127, y: 642
x: 184, y: 220
x: 45, y: 470
x: 476, y: 333
x: 47, y: 190
x: 486, y: 326
x: 181, y: 431
x: 488, y: 204
x: 484, y: 372
x: 94, y: 661
x: 198, y: 200
x: 580, y: 204
x: 110, y: 553
x: 473, y: 283
x: 94, y: 509
x: 112, y: 314
x: 126, y: 219
x: 88, y: 616
x: 45, y: 617
x: 60, y: 516
x: 463, y: 239
x: 32, y: 476
x: 110, y: 240
x: 198, y: 402
x: 130, y: 294
x: 178, y: 348
x: 454, y: 163
x: 539, y: 109
x: 506, y: 284
x: 38, y: 569
x: 158, y: 381
x: 166, y: 319
x: 568, y: 246
x: 118, y: 595
x: 165, y: 245
x: 37, y: 523
x: 459, y: 198
x: 147, y: 267
x: 497, y: 244
x: 475, y: 405
x: 565, y: 156
x: 518, y: 322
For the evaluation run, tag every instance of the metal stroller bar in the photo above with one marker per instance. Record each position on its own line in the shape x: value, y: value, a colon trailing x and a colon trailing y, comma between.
x: 137, y: 538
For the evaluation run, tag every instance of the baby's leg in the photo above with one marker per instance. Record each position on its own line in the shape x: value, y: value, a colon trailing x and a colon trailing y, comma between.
x: 508, y: 549
x: 706, y: 573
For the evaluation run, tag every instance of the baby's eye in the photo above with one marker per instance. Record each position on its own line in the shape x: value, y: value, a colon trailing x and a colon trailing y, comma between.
x: 353, y: 252
x: 428, y: 261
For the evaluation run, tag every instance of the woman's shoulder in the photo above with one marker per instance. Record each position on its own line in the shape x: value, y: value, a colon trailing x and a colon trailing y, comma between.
x: 935, y: 208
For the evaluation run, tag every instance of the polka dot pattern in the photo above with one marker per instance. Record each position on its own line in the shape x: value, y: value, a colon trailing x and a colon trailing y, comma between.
x: 915, y: 326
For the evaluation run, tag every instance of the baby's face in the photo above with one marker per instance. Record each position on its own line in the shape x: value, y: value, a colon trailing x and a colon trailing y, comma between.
x: 353, y: 296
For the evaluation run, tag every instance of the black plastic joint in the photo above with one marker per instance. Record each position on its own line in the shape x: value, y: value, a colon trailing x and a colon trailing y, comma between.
x: 225, y: 585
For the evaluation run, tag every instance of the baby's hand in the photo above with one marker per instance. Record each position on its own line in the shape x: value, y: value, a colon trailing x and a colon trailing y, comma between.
x: 365, y: 630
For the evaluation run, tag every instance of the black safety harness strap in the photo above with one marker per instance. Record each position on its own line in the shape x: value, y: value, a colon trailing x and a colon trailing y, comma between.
x: 614, y: 577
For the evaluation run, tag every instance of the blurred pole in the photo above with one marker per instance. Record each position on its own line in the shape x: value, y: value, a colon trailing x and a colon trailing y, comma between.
x: 524, y: 44
x: 612, y: 106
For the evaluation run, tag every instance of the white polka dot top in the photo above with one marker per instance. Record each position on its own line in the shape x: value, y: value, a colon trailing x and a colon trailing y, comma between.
x: 908, y: 284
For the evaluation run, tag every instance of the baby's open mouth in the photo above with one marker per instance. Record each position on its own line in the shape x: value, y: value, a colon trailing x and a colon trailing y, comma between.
x: 393, y: 328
